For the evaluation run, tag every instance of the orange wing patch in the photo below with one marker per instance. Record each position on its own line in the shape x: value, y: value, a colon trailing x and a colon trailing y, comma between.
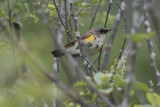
x: 89, y: 39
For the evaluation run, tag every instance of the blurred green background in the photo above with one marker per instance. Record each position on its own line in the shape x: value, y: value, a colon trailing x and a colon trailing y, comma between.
x: 40, y: 44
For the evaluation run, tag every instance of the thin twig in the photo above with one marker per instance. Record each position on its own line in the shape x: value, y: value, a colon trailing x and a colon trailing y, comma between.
x: 150, y: 46
x: 124, y: 41
x: 67, y: 21
x: 58, y: 13
x: 125, y: 29
x: 111, y: 39
x: 91, y: 65
x: 81, y: 9
x: 99, y: 57
x: 94, y: 16
x: 109, y: 8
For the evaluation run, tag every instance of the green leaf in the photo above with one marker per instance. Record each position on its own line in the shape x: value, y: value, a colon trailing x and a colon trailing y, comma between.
x: 80, y: 83
x: 36, y: 19
x: 2, y: 13
x: 132, y: 92
x: 141, y: 86
x: 107, y: 91
x: 140, y: 36
x: 97, y: 77
x: 102, y: 78
x: 18, y: 7
x: 118, y: 81
x: 153, y: 100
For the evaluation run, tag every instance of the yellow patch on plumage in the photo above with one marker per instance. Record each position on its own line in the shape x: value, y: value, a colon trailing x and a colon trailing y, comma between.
x: 68, y: 47
x: 89, y: 39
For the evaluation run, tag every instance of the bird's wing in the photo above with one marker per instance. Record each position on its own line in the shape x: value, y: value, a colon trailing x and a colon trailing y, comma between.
x: 84, y: 36
x: 71, y: 43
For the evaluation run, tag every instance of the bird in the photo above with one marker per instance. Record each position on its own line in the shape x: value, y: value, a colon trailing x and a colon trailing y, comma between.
x: 92, y: 42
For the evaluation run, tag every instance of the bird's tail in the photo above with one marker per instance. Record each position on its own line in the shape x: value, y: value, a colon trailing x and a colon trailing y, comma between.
x: 58, y: 53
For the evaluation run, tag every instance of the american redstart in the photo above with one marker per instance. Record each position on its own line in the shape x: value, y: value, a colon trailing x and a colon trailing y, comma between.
x: 92, y: 42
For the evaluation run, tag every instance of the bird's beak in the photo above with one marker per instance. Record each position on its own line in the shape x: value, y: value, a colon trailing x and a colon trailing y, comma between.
x: 109, y: 30
x: 106, y: 30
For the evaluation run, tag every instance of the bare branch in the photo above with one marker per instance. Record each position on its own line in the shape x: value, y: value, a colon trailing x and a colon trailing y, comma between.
x: 109, y: 8
x: 110, y: 41
x: 67, y: 21
x: 74, y: 18
x: 94, y: 16
x: 150, y: 46
x: 124, y: 42
x: 125, y: 29
x: 81, y: 9
x: 99, y: 57
x: 58, y: 13
x: 132, y: 56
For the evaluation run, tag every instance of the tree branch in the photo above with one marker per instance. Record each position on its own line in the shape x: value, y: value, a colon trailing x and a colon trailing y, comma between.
x: 109, y: 8
x: 67, y: 21
x: 94, y: 16
x: 110, y: 41
x: 81, y: 9
x: 74, y: 18
x: 150, y: 46
x: 99, y: 57
x: 58, y: 13
x: 132, y: 56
